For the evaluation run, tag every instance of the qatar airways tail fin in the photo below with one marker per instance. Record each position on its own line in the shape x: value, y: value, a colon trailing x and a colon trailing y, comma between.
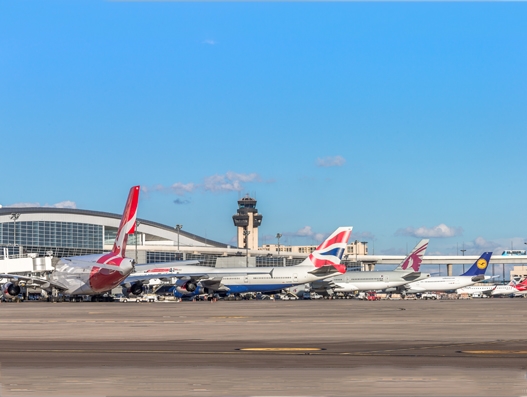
x: 326, y: 258
x: 413, y: 261
x: 480, y: 266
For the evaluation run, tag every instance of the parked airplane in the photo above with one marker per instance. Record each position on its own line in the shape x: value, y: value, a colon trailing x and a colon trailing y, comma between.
x: 195, y: 280
x: 88, y: 274
x: 513, y: 288
x: 352, y: 281
x: 189, y: 280
x: 473, y: 275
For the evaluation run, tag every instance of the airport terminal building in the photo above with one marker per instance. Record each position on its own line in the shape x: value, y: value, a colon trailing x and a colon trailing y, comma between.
x: 69, y: 232
x: 60, y: 232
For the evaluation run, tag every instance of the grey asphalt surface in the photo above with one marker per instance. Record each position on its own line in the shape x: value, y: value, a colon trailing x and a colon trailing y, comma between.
x: 314, y: 348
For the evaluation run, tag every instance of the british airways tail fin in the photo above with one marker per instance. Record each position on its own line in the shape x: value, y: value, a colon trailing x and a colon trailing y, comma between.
x: 413, y: 261
x: 327, y: 257
x: 480, y: 266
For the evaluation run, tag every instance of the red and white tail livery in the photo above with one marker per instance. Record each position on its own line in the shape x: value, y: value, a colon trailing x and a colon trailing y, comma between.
x: 127, y: 226
x: 329, y: 254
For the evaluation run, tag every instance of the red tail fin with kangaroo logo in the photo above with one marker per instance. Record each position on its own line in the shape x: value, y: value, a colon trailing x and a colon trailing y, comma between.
x: 126, y: 227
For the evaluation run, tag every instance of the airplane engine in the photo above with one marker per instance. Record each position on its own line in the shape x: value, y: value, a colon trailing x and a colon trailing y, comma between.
x: 190, y: 286
x: 10, y: 290
x: 136, y: 289
x: 187, y: 289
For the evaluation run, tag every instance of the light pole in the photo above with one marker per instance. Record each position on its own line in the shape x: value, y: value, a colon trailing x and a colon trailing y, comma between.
x: 246, y: 234
x: 278, y: 235
x: 14, y: 217
x: 463, y: 251
x: 137, y: 223
x: 178, y: 229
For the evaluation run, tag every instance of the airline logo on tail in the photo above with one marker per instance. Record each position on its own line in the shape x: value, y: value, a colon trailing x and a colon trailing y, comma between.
x: 331, y: 251
x: 479, y: 267
x: 482, y: 263
x: 413, y: 261
x: 126, y: 227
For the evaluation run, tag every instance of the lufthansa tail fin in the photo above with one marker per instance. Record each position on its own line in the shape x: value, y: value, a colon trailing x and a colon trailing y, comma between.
x: 327, y: 257
x: 413, y: 261
x: 480, y: 266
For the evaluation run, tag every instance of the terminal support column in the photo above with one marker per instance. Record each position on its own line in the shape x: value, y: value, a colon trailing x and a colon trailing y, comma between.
x: 449, y: 269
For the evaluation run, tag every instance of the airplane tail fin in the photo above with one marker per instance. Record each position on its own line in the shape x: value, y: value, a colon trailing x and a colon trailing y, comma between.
x: 520, y: 286
x: 126, y: 227
x: 128, y: 222
x: 480, y: 266
x: 413, y: 261
x: 327, y: 257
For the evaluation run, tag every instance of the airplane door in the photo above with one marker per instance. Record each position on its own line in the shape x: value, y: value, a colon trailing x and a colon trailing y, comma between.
x: 246, y: 279
x: 295, y: 277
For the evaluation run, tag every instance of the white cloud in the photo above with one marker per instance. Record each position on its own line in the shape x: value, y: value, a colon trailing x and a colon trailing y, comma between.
x: 24, y: 205
x: 331, y: 161
x: 307, y: 231
x: 181, y: 188
x: 361, y: 236
x: 62, y: 204
x: 439, y: 231
x: 229, y: 182
x: 209, y: 42
x: 480, y: 244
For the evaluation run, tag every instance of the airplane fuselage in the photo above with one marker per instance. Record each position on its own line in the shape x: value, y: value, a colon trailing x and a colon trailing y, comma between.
x: 81, y: 277
x: 276, y: 280
x: 492, y: 290
x: 439, y: 284
x: 369, y: 281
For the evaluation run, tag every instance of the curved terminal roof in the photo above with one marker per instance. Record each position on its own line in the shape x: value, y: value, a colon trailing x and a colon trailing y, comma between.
x: 154, y: 231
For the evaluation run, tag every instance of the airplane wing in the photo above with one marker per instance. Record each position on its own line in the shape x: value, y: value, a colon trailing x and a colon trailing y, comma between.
x: 148, y: 266
x: 207, y: 273
x: 34, y: 281
x: 214, y: 283
x: 489, y: 291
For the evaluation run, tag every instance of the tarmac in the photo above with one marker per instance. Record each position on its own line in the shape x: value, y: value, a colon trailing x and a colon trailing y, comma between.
x: 265, y: 348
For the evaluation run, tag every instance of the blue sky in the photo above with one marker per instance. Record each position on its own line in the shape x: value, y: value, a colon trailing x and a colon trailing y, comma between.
x: 395, y: 118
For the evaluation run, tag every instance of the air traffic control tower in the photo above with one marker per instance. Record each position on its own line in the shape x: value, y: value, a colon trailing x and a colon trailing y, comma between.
x: 247, y: 221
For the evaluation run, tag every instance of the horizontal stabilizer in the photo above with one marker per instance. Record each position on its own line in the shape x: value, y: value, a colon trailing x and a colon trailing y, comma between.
x: 412, y: 276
